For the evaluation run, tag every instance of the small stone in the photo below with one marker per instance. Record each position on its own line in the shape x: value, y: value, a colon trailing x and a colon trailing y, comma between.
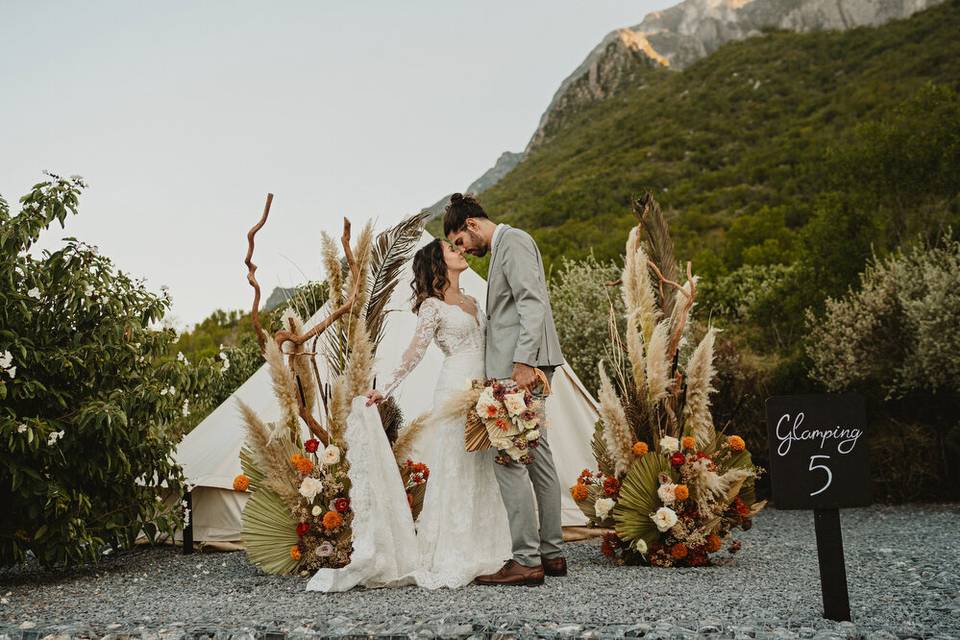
x: 28, y: 625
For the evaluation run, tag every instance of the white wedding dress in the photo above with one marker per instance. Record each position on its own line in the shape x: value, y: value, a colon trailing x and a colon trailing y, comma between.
x: 462, y: 531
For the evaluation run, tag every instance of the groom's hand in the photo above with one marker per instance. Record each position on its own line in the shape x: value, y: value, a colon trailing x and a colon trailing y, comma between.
x: 373, y: 397
x: 524, y: 375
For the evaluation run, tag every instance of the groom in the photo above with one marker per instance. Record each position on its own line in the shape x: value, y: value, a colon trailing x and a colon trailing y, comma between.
x: 520, y: 338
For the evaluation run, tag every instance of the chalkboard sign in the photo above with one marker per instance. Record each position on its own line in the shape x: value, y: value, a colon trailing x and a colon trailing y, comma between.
x: 818, y: 451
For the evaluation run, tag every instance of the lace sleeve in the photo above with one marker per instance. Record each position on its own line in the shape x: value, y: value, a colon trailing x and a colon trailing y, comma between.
x: 427, y: 323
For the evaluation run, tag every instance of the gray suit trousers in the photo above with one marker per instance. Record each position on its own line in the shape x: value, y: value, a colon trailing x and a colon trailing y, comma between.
x: 536, y: 533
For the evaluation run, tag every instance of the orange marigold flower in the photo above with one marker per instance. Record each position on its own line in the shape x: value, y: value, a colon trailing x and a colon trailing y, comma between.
x: 502, y: 424
x: 640, y: 449
x: 736, y: 443
x: 332, y: 520
x: 491, y: 411
x: 303, y: 465
x: 714, y: 543
x: 681, y: 492
x: 579, y: 492
x: 295, y: 458
x: 241, y: 483
x: 688, y: 442
x: 678, y: 551
x: 295, y: 552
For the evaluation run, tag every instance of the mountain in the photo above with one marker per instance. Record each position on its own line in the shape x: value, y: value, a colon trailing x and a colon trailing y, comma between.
x: 504, y: 165
x: 741, y: 134
x: 679, y: 36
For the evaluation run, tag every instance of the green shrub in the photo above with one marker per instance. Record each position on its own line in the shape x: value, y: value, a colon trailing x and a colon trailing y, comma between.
x: 89, y: 406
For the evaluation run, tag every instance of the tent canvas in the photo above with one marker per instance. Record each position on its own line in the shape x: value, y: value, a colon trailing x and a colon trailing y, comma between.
x: 210, y: 454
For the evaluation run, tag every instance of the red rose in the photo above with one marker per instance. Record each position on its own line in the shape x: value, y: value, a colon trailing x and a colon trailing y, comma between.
x: 302, y: 529
x: 341, y: 504
x: 611, y: 486
x: 311, y: 445
x: 677, y: 459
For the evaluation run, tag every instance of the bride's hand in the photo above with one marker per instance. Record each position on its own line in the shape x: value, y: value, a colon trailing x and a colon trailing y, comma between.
x: 374, y: 397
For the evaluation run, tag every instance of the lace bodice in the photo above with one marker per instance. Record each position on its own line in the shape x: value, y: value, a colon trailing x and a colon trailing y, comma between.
x: 453, y: 329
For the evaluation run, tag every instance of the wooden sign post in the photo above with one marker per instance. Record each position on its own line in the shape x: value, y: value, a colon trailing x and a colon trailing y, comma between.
x: 818, y: 461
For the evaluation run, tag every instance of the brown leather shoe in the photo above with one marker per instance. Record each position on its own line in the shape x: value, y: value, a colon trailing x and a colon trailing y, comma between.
x: 555, y: 567
x: 514, y: 573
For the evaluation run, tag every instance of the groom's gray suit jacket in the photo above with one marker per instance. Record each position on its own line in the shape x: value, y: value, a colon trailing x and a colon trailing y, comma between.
x: 519, y: 320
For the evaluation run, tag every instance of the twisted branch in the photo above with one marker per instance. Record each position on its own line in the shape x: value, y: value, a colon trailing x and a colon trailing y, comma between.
x: 252, y: 269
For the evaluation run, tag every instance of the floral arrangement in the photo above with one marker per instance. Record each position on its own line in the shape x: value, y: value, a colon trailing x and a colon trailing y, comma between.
x: 299, y: 516
x: 506, y: 417
x: 669, y: 486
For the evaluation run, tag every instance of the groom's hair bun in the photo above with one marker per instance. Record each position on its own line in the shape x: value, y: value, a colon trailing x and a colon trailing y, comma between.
x: 460, y: 208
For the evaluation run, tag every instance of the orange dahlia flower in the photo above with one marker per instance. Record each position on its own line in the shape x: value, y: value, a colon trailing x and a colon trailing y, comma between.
x: 714, y: 543
x: 241, y: 483
x: 678, y: 551
x: 681, y: 492
x: 640, y: 449
x: 295, y: 552
x: 332, y: 520
x: 579, y: 491
x: 689, y: 443
x: 303, y: 465
x: 736, y: 443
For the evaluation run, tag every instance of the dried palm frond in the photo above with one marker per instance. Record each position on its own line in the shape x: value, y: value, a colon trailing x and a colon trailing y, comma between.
x: 391, y: 417
x: 390, y: 253
x: 638, y: 298
x: 697, y: 418
x: 284, y: 389
x: 617, y: 434
x: 638, y: 499
x: 403, y: 447
x: 659, y: 245
x: 269, y: 532
x: 600, y: 453
x: 333, y: 268
x: 658, y: 364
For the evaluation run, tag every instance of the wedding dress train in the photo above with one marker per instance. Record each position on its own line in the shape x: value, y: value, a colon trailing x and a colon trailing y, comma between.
x: 462, y: 531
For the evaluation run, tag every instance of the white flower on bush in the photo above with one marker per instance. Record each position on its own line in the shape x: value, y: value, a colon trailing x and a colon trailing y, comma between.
x: 664, y: 518
x: 34, y: 293
x: 669, y: 444
x: 21, y: 428
x: 186, y: 408
x: 666, y: 493
x: 53, y: 437
x: 88, y: 291
x: 316, y: 511
x: 182, y: 358
x: 331, y: 455
x: 310, y: 487
x: 514, y: 403
x: 6, y: 359
x: 603, y: 506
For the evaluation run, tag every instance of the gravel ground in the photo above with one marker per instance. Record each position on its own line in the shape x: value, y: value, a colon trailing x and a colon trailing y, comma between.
x: 903, y: 566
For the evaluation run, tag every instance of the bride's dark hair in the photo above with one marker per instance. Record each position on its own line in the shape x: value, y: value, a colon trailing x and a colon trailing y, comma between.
x: 429, y: 273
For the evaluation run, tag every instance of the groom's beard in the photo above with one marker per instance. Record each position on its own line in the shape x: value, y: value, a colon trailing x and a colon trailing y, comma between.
x: 480, y: 247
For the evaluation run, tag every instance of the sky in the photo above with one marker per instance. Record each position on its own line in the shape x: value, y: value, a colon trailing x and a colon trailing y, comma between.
x: 181, y: 116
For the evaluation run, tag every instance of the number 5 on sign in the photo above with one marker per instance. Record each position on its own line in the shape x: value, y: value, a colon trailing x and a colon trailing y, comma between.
x: 825, y: 468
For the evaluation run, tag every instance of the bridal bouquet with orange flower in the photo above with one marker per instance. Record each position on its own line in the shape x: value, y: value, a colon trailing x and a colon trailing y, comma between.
x: 670, y: 486
x: 506, y: 417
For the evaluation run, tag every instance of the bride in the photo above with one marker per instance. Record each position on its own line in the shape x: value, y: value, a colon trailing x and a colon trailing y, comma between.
x: 462, y: 531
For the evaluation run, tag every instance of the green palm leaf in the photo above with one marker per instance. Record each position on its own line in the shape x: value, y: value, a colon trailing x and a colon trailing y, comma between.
x: 250, y: 468
x: 638, y: 498
x: 391, y: 251
x: 269, y: 531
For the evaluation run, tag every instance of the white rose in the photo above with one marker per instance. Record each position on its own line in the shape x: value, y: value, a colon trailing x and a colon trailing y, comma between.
x: 316, y: 511
x: 666, y: 493
x: 603, y: 506
x: 664, y: 518
x: 533, y: 434
x: 640, y: 545
x: 669, y: 444
x: 310, y: 487
x: 331, y: 455
x: 514, y: 403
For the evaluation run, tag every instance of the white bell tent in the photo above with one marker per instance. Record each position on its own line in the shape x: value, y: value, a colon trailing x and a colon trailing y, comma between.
x: 210, y: 454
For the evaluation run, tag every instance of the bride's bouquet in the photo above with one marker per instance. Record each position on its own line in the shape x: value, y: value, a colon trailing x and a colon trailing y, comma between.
x: 503, y: 416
